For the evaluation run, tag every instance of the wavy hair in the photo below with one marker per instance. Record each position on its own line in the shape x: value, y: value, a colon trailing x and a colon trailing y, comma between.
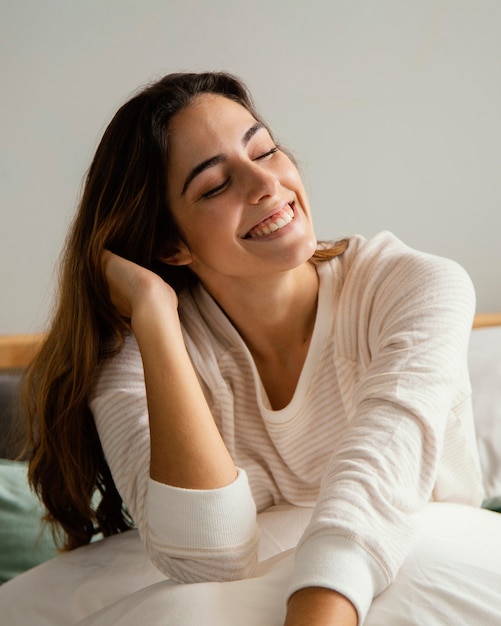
x: 123, y: 208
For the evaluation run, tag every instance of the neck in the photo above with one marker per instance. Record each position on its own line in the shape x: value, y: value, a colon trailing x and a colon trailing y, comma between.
x: 274, y: 317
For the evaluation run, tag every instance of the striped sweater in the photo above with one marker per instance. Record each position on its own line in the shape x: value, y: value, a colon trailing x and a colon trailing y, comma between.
x: 380, y: 423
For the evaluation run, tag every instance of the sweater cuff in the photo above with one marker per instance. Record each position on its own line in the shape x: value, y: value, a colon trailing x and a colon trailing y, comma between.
x: 340, y: 564
x: 196, y: 518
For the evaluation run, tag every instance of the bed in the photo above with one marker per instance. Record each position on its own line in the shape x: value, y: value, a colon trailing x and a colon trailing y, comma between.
x: 451, y: 576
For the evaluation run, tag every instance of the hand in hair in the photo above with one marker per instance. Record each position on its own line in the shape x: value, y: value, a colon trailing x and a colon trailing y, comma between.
x: 129, y: 284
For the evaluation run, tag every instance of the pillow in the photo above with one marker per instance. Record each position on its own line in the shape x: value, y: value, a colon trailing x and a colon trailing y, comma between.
x: 484, y: 360
x: 24, y: 542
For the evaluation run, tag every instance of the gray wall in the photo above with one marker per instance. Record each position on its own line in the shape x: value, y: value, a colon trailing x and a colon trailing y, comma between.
x: 393, y: 108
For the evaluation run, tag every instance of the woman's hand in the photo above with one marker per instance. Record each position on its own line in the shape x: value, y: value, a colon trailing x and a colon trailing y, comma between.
x: 130, y: 285
x: 316, y: 606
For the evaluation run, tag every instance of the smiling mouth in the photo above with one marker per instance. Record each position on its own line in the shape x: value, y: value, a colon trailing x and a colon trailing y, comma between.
x: 272, y: 224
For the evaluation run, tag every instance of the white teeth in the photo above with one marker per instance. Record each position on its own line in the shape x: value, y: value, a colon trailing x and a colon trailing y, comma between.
x: 270, y: 227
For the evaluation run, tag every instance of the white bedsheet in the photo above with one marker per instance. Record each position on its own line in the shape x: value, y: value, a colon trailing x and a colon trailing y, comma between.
x: 451, y: 576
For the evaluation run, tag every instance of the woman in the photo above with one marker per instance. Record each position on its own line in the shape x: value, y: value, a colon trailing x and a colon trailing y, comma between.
x: 208, y: 359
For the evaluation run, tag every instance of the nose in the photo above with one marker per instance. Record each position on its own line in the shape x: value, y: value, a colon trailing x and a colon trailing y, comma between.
x: 261, y: 183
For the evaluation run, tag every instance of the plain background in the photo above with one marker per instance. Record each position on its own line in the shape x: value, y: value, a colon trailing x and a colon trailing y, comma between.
x: 392, y: 108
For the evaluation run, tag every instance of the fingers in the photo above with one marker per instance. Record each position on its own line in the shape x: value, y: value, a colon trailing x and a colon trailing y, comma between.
x: 131, y: 285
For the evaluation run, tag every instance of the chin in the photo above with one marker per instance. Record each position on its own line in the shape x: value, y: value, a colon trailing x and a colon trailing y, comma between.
x: 310, y: 247
x: 302, y: 252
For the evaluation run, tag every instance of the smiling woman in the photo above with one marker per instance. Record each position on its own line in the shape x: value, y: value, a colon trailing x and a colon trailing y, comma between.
x: 230, y: 186
x: 209, y: 359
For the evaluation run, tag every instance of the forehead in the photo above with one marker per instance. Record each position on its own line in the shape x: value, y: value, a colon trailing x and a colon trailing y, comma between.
x: 209, y: 121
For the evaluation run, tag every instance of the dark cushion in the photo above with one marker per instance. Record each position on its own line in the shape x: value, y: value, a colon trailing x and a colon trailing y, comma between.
x: 11, y: 420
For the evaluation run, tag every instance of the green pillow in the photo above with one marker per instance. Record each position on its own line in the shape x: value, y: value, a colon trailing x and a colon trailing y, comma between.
x: 493, y: 504
x: 24, y: 542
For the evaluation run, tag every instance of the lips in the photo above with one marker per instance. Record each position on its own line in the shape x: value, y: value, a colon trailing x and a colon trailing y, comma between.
x: 273, y: 223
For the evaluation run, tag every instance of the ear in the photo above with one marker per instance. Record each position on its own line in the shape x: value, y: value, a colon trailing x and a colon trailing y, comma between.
x: 180, y: 256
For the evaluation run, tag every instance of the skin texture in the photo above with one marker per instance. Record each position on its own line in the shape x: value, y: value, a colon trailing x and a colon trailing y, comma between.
x: 265, y: 285
x: 320, y: 607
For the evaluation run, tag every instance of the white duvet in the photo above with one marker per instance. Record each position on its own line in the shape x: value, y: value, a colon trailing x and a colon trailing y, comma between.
x: 451, y: 576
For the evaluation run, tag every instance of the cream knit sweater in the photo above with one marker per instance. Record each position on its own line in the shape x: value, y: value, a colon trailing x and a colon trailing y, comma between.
x: 380, y: 424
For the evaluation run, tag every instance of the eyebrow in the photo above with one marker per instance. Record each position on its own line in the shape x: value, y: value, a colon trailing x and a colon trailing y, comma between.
x: 219, y: 158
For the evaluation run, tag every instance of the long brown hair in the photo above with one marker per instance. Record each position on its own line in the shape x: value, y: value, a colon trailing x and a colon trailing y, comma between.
x: 124, y: 209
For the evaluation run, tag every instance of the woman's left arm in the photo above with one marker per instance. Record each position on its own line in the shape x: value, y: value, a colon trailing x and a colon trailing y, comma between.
x: 409, y: 379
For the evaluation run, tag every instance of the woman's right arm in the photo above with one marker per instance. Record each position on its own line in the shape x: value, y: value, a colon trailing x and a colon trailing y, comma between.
x: 186, y: 448
x: 198, y: 505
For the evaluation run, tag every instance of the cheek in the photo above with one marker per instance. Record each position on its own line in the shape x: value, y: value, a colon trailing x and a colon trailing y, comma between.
x: 291, y: 175
x: 204, y: 232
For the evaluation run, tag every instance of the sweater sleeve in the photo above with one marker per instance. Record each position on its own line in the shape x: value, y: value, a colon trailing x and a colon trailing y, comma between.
x: 402, y: 331
x: 190, y: 535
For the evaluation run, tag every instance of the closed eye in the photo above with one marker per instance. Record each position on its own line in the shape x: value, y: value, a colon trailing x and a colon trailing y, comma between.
x: 215, y: 190
x: 267, y: 154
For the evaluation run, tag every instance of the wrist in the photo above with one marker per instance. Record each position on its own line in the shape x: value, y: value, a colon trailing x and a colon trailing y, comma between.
x: 319, y: 606
x: 157, y: 301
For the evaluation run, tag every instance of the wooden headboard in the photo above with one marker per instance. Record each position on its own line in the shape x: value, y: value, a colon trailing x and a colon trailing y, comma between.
x: 487, y: 319
x: 16, y: 351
